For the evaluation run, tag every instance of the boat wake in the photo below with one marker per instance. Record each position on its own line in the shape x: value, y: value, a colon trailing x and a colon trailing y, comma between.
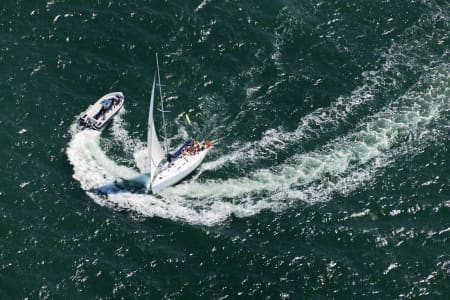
x: 340, y: 166
x: 276, y: 177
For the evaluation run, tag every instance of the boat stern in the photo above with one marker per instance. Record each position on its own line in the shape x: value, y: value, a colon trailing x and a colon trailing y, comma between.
x: 174, y: 172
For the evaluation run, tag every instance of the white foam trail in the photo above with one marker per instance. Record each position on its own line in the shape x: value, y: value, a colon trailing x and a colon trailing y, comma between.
x: 120, y: 134
x: 140, y: 158
x: 92, y: 168
x: 402, y: 54
x: 219, y: 162
x: 351, y: 160
x: 340, y: 166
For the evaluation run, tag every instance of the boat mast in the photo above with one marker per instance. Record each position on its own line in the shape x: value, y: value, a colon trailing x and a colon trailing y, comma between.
x: 166, y: 148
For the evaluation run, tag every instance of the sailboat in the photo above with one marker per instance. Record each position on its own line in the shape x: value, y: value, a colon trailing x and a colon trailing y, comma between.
x: 179, y: 164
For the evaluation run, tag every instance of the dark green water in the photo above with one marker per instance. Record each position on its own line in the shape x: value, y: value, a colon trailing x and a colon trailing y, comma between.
x: 328, y: 178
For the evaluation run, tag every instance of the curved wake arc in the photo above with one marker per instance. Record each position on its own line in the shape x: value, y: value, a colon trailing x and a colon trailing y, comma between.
x: 341, y: 165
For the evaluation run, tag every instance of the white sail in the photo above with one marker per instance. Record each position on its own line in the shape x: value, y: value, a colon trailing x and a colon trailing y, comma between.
x: 155, y: 152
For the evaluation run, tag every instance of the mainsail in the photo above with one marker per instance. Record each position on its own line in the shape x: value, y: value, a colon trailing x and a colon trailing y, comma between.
x: 155, y: 152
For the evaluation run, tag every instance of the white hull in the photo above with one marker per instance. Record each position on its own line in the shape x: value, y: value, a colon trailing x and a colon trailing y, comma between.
x: 172, y: 173
x: 92, y: 117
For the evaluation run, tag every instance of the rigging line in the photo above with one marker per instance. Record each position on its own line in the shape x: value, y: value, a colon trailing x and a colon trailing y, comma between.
x: 110, y: 88
x: 166, y: 147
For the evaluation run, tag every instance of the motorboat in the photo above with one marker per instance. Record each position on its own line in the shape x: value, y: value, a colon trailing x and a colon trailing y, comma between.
x: 98, y: 114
